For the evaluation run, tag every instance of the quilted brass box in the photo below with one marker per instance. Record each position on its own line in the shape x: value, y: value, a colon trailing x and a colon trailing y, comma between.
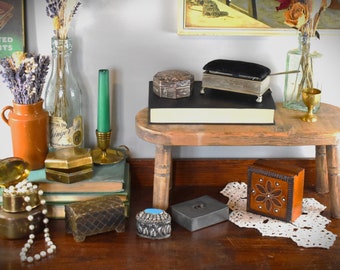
x: 95, y: 216
x: 69, y: 165
x: 173, y: 84
x: 275, y: 190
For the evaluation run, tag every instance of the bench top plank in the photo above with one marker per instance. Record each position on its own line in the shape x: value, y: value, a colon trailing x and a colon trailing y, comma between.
x: 289, y: 130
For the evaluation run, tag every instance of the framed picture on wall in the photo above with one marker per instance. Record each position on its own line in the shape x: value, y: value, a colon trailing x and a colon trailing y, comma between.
x: 12, y: 27
x: 244, y: 17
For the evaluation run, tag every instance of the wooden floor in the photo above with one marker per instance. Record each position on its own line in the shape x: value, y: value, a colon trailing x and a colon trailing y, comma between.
x: 222, y: 246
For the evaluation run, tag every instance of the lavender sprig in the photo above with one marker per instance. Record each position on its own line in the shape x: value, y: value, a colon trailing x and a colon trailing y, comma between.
x: 53, y: 7
x: 25, y: 76
x: 62, y: 12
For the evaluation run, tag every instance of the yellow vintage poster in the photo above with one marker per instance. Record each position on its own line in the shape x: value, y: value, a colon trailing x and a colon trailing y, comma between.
x: 12, y: 30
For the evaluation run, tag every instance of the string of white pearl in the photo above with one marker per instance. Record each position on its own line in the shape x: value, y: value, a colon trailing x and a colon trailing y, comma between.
x: 24, y: 188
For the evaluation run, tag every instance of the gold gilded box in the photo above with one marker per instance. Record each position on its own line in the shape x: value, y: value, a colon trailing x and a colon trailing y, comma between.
x: 275, y: 190
x: 14, y: 222
x: 69, y: 165
x: 14, y: 217
x: 95, y: 216
x: 173, y: 84
x: 16, y: 203
x: 15, y: 225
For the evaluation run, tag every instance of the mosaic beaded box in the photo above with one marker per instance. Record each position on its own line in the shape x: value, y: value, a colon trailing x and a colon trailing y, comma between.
x: 275, y: 190
x: 95, y: 216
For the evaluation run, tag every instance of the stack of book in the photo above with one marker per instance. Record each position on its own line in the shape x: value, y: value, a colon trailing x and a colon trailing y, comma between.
x: 212, y: 107
x: 106, y: 180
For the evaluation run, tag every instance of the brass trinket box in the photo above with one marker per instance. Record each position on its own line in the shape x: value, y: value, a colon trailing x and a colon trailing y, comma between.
x: 14, y: 217
x: 15, y: 203
x: 69, y: 165
x: 14, y: 223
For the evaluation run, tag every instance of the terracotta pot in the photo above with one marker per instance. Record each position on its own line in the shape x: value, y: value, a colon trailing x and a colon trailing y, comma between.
x: 29, y: 128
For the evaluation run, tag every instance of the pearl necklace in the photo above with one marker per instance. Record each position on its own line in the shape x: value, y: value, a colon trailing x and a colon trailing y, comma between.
x: 24, y: 188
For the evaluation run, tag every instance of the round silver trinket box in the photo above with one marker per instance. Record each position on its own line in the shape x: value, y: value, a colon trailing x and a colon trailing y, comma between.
x: 153, y: 223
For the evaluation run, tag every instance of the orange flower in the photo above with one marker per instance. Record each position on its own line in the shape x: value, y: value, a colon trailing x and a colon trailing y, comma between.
x: 296, y: 15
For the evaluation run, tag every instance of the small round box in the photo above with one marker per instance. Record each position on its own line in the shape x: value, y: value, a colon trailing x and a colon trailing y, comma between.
x: 15, y: 203
x: 173, y: 84
x: 153, y: 223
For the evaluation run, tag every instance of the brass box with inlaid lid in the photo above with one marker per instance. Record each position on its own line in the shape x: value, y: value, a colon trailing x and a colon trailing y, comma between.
x: 69, y: 165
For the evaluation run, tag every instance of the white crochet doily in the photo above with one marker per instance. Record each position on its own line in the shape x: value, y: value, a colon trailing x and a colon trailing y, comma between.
x: 308, y: 230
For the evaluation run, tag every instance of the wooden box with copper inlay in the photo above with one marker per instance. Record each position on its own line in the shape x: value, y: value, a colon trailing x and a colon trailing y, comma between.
x: 275, y: 190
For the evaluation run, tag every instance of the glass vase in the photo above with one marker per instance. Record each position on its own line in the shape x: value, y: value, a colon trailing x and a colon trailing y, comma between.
x: 301, y: 74
x: 63, y: 99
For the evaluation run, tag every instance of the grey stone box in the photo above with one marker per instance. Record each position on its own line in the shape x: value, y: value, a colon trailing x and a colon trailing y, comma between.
x: 199, y: 213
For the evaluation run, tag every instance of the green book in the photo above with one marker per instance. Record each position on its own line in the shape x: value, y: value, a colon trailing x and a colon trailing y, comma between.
x: 57, y: 197
x: 56, y: 201
x: 106, y: 178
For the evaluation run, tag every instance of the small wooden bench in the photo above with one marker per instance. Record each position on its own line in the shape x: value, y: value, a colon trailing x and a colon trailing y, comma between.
x: 288, y: 130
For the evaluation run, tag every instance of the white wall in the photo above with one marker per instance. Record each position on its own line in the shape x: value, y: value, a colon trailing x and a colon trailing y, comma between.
x: 136, y: 39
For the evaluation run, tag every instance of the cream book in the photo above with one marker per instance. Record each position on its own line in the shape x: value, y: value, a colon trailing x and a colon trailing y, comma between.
x: 212, y: 107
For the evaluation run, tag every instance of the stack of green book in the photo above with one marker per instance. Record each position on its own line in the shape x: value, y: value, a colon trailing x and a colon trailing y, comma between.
x: 106, y: 180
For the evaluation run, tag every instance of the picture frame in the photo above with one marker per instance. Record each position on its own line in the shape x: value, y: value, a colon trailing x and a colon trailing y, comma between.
x: 12, y: 27
x: 242, y: 21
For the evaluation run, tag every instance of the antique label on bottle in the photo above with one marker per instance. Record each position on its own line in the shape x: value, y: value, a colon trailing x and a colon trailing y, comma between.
x: 63, y: 136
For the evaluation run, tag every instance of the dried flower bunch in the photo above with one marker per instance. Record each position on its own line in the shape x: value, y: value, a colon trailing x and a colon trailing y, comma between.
x: 25, y: 75
x: 62, y: 12
x: 303, y: 15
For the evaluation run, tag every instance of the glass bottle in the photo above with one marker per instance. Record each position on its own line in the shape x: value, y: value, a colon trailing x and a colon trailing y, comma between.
x: 302, y: 63
x: 63, y: 99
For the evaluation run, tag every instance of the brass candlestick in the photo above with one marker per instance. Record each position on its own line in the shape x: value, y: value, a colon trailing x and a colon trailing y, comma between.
x: 104, y: 154
x: 311, y: 97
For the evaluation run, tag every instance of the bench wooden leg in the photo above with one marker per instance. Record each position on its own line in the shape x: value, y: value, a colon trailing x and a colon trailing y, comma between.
x: 321, y: 169
x: 162, y: 176
x: 333, y: 163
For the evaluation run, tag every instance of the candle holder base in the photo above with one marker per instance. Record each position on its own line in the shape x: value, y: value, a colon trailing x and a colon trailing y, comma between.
x: 104, y: 155
x: 110, y: 156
